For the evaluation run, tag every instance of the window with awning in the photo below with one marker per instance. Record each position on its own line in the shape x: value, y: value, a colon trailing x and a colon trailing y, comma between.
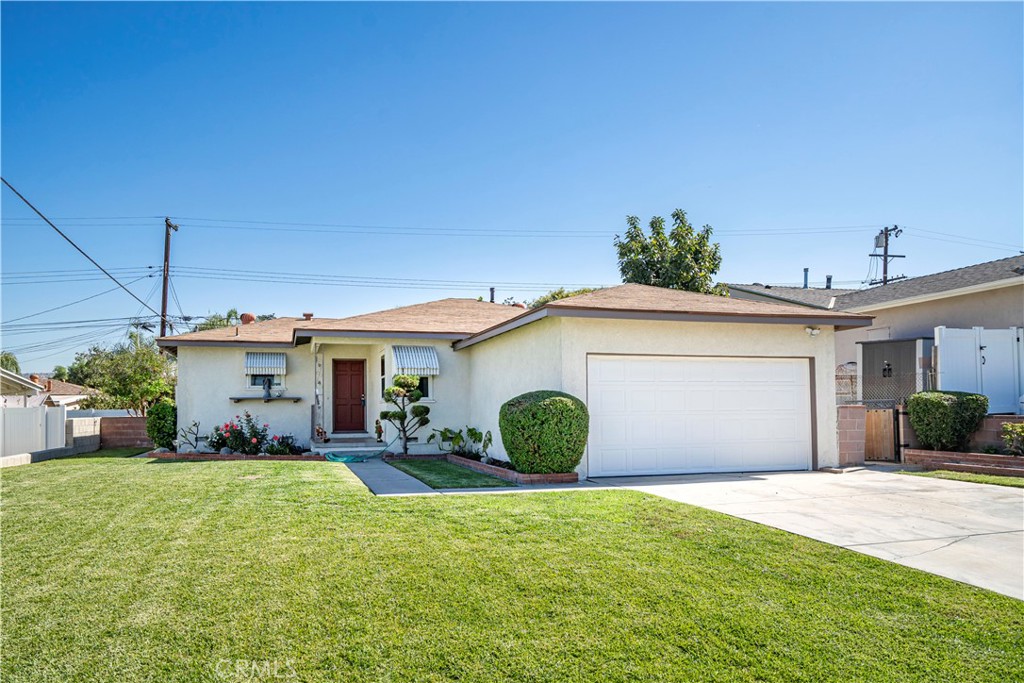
x: 416, y: 360
x: 265, y: 363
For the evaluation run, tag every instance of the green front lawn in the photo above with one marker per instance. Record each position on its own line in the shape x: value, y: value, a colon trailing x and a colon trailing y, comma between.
x: 131, y: 569
x: 999, y: 480
x: 113, y: 453
x: 441, y: 474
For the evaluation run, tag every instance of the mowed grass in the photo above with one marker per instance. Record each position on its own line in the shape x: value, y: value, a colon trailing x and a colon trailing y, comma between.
x: 998, y: 480
x: 441, y: 474
x: 128, y: 569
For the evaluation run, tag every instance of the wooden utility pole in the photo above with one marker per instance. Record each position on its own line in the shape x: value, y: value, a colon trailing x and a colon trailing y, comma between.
x: 882, y: 240
x: 168, y: 227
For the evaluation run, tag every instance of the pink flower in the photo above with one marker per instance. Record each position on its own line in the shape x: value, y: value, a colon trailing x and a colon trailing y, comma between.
x: 254, y: 440
x: 276, y: 437
x: 266, y: 424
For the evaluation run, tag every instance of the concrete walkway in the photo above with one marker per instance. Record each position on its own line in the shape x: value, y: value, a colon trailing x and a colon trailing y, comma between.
x: 385, y: 480
x: 969, y: 532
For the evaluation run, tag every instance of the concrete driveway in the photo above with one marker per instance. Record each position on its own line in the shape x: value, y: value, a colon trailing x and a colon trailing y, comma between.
x: 969, y: 532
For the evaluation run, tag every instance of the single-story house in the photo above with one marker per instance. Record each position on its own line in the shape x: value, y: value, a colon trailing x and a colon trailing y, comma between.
x: 676, y: 382
x: 60, y: 393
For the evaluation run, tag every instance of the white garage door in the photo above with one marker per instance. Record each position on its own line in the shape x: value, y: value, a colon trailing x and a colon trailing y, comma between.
x: 679, y: 415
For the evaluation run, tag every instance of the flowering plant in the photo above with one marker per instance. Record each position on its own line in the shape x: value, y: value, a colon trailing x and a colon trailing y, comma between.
x: 242, y: 435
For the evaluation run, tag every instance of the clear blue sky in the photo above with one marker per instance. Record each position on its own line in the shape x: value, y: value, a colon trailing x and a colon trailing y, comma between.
x: 488, y: 133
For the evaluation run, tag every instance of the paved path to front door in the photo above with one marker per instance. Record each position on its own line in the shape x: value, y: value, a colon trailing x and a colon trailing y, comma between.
x: 969, y: 532
x: 385, y: 480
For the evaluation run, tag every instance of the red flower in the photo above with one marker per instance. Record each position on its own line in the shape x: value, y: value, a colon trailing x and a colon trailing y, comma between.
x: 276, y: 437
x: 254, y: 439
x: 266, y: 424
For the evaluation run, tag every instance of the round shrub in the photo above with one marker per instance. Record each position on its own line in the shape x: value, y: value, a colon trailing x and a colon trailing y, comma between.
x: 162, y: 424
x: 945, y: 420
x: 544, y: 431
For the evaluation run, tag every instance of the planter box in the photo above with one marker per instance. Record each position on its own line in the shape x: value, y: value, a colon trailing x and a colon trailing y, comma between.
x: 218, y: 456
x: 512, y: 475
x: 978, y: 463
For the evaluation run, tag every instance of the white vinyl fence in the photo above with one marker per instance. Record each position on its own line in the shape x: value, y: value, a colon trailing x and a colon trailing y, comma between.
x: 26, y: 430
x: 982, y: 361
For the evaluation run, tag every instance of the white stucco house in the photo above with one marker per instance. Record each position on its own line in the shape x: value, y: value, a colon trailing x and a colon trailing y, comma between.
x: 675, y: 382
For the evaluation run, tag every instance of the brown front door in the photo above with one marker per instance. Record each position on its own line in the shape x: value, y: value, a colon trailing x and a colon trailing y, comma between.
x: 349, y: 392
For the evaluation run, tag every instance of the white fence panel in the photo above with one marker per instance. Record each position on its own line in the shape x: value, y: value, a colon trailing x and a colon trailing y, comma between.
x: 23, y: 430
x: 982, y: 361
x: 958, y: 367
x: 26, y: 430
x: 55, y: 434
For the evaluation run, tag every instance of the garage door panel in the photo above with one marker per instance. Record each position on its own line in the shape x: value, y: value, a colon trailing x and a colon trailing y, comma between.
x: 678, y: 415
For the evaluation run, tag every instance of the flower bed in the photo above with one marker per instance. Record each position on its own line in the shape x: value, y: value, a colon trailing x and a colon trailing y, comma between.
x: 512, y: 475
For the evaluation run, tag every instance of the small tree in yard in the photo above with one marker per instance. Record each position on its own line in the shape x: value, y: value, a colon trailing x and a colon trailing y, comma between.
x: 408, y: 418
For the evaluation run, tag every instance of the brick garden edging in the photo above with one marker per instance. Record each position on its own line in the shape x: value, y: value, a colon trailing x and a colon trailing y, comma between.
x: 234, y: 456
x: 512, y: 475
x: 978, y: 463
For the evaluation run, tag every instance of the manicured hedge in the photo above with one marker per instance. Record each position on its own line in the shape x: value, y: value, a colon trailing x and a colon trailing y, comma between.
x: 544, y: 431
x: 945, y: 420
x: 162, y: 424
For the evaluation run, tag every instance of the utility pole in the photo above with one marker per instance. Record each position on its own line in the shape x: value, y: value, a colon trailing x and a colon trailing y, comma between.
x: 168, y: 227
x: 882, y: 240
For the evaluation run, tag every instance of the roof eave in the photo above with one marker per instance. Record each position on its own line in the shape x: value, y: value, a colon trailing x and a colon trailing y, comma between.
x: 935, y: 296
x: 776, y: 298
x: 838, y: 321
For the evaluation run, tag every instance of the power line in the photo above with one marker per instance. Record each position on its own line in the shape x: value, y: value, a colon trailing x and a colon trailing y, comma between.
x: 57, y: 308
x: 72, y: 243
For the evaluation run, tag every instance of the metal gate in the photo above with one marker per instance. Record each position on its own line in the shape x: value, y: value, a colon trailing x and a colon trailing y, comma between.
x: 881, y: 434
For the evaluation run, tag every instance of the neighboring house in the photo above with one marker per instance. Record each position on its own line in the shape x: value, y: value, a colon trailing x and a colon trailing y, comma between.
x: 987, y: 295
x: 674, y: 381
x: 60, y: 393
x: 18, y: 392
x: 813, y: 297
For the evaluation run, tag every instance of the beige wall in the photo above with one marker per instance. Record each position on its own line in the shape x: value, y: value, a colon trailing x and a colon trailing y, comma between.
x: 525, y: 359
x: 552, y: 354
x: 209, y: 376
x: 996, y: 308
x: 448, y: 399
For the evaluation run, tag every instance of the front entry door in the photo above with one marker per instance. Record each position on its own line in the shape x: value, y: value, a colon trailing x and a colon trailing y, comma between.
x: 349, y: 395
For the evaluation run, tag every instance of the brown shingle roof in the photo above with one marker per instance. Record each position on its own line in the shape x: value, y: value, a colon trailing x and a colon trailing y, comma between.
x: 936, y: 283
x: 649, y: 299
x: 445, y: 317
x: 60, y: 388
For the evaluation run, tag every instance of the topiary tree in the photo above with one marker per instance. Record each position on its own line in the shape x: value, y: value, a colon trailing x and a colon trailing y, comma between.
x: 544, y: 431
x: 162, y: 424
x: 945, y: 420
x: 407, y: 417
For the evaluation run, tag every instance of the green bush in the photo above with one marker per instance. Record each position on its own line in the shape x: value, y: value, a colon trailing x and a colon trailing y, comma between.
x: 945, y: 420
x: 162, y: 424
x: 544, y: 431
x: 1013, y: 437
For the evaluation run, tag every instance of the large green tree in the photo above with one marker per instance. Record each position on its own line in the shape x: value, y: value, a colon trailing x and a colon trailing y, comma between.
x: 680, y: 258
x: 9, y: 362
x: 131, y: 375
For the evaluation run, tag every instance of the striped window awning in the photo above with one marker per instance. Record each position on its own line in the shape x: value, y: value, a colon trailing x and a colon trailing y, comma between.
x: 416, y: 360
x: 264, y: 363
